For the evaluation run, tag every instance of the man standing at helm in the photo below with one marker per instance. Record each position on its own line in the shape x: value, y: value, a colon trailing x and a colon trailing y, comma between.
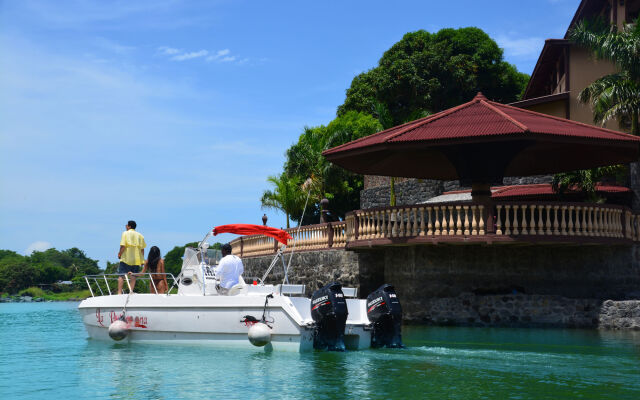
x: 228, y: 270
x: 131, y: 254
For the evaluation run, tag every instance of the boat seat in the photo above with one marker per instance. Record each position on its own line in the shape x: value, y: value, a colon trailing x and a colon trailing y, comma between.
x: 238, y: 288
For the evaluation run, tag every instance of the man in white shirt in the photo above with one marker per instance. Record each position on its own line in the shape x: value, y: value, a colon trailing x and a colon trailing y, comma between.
x: 229, y: 269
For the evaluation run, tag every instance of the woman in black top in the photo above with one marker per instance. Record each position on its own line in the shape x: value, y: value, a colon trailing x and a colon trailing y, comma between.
x: 155, y: 266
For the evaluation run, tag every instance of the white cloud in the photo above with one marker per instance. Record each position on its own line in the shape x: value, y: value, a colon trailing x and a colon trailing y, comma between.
x: 190, y: 55
x: 167, y: 51
x: 37, y: 246
x: 526, y: 48
x: 220, y: 56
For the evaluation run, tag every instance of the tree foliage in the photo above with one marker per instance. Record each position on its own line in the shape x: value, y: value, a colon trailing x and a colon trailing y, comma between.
x: 421, y: 74
x: 18, y: 272
x: 586, y: 180
x: 304, y: 162
x: 434, y: 71
x: 173, y: 258
x: 286, y: 196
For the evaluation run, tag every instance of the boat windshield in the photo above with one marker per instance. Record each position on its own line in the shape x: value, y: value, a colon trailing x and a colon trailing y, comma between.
x: 193, y: 257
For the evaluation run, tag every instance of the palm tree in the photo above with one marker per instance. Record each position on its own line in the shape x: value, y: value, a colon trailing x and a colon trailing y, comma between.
x: 587, y: 180
x: 615, y: 95
x: 286, y: 196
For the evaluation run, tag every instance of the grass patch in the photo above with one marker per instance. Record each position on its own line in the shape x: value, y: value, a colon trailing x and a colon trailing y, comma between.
x: 32, y: 291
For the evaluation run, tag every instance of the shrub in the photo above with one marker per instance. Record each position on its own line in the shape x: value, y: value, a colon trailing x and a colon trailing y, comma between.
x: 33, y: 292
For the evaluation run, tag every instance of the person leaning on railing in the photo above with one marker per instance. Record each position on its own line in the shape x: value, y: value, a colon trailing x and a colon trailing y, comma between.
x: 155, y: 266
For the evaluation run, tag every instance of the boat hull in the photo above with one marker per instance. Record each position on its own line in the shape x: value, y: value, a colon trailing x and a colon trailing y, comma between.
x: 215, y: 320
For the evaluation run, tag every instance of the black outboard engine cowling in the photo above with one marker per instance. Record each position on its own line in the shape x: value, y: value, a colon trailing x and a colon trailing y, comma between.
x: 385, y: 313
x: 329, y: 312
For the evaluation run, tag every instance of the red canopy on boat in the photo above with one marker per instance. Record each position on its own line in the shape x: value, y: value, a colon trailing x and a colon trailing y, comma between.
x: 248, y: 229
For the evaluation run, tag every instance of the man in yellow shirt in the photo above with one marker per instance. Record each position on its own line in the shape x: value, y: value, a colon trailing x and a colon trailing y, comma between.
x: 131, y: 254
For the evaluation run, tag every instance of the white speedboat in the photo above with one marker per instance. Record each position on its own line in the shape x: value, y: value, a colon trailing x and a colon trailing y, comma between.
x: 249, y: 314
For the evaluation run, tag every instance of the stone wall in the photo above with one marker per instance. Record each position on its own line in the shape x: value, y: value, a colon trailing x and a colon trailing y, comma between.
x: 408, y: 191
x: 620, y: 315
x: 599, y: 272
x: 313, y: 268
x: 513, y: 310
x: 485, y: 285
x: 377, y: 192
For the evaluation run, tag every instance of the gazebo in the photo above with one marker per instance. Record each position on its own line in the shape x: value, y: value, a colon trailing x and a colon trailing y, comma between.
x: 481, y: 142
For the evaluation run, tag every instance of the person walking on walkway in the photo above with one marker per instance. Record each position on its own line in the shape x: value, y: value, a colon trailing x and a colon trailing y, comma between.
x: 131, y: 254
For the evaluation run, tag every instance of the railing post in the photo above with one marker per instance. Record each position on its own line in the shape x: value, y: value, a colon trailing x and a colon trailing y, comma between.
x: 625, y: 224
x: 329, y: 229
x: 466, y: 230
x: 490, y: 226
x: 474, y: 223
x: 481, y: 223
x: 356, y: 225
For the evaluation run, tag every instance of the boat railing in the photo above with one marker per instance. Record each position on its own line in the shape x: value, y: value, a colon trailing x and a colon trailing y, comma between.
x: 105, y: 279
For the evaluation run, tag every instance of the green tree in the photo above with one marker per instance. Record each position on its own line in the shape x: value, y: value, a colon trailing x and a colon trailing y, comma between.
x: 286, y: 195
x: 617, y: 95
x: 54, y: 265
x: 587, y: 180
x: 16, y: 274
x: 173, y: 258
x: 305, y: 161
x: 434, y: 71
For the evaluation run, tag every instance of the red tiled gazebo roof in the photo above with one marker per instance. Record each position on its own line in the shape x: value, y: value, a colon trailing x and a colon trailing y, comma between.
x: 482, y: 140
x: 541, y: 189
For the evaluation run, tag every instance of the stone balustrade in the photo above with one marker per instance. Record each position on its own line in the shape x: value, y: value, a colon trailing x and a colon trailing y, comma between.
x: 590, y: 220
x: 306, y: 238
x: 421, y: 220
x: 460, y: 222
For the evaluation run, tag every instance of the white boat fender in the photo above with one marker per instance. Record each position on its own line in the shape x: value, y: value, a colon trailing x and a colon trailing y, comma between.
x: 118, y: 330
x: 259, y: 334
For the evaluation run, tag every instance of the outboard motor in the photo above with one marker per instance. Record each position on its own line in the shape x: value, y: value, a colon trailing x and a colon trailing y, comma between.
x: 329, y: 312
x: 385, y: 313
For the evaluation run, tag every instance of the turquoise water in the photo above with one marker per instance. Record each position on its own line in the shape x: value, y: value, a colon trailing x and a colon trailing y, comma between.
x: 45, y: 354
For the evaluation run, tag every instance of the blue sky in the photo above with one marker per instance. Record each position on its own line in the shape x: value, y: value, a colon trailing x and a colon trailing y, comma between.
x: 173, y: 113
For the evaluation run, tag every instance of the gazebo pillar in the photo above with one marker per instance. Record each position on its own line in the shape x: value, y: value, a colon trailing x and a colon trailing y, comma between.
x: 481, y: 195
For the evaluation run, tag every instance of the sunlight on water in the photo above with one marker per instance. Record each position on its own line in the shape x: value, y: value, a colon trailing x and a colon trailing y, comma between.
x: 45, y: 353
